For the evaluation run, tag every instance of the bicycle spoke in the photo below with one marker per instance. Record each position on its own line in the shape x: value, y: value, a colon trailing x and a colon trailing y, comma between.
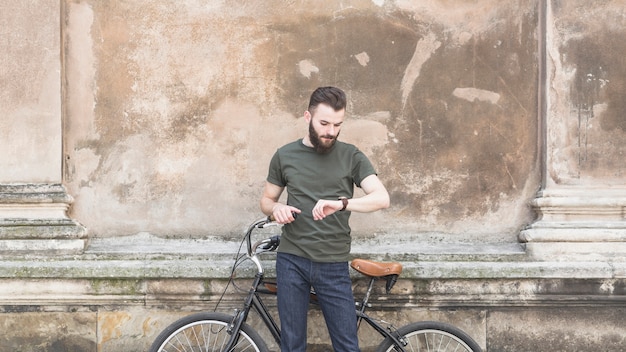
x: 206, y: 336
x: 437, y: 342
x: 429, y: 340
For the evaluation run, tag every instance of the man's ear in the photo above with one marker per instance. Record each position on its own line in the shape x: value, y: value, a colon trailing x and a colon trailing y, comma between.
x: 307, y: 116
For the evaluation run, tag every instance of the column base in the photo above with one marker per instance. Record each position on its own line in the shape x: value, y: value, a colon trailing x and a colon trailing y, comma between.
x: 33, y: 218
x: 578, y: 223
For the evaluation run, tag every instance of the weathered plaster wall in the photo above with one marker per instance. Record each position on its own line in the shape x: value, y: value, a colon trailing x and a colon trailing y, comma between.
x: 175, y: 107
x: 587, y: 109
x: 30, y: 98
x: 171, y: 111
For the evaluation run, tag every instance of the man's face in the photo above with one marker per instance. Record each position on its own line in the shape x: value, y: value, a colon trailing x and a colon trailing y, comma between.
x: 324, y: 127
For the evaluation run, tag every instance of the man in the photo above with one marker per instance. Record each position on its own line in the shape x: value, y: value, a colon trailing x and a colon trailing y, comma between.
x: 319, y: 173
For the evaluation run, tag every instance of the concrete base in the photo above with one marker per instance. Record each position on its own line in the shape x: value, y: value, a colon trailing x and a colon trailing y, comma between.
x: 121, y: 292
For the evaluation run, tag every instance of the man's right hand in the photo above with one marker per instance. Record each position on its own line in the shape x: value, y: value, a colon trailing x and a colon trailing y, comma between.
x: 284, y: 214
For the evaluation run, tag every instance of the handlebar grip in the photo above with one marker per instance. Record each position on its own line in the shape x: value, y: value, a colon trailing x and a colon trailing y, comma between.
x: 272, y: 219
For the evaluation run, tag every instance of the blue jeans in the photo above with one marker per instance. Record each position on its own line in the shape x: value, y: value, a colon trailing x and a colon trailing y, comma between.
x: 331, y: 281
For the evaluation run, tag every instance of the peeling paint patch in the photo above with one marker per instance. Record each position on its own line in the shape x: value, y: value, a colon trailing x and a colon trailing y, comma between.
x: 362, y: 58
x: 423, y: 50
x: 85, y: 162
x: 111, y: 325
x: 378, y: 2
x: 473, y: 94
x: 367, y: 134
x: 307, y: 67
x: 608, y: 287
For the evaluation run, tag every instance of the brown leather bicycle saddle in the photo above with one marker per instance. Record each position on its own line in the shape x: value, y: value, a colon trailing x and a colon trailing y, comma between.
x: 376, y: 269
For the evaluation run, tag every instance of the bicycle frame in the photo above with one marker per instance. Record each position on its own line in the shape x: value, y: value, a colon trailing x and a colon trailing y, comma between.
x: 254, y: 301
x: 361, y: 316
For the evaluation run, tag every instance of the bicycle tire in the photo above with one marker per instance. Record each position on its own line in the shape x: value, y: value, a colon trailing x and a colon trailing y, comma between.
x: 205, y: 332
x: 431, y: 336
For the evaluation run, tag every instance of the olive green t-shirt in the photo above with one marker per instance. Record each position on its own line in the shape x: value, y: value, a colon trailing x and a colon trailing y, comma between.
x: 308, y: 177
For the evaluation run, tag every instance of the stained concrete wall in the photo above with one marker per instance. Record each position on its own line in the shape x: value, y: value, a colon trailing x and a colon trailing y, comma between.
x: 170, y: 112
x: 586, y: 107
x: 175, y: 108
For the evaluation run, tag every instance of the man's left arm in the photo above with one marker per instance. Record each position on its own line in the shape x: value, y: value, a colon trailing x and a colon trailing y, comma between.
x: 375, y: 198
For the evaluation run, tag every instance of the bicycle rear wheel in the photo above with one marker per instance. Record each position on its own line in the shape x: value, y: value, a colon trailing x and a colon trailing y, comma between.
x: 431, y: 336
x: 205, y: 332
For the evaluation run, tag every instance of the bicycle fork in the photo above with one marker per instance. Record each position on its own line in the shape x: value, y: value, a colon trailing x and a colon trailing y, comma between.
x: 252, y: 301
x: 241, y: 315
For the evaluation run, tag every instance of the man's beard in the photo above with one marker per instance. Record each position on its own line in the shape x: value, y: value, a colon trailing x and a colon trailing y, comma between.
x: 318, y: 143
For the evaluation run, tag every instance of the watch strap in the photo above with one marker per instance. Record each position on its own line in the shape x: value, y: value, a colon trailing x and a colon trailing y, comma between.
x: 344, y: 200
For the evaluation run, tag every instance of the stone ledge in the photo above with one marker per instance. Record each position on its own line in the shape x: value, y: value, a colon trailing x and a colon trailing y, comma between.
x: 196, y: 294
x: 147, y: 256
x: 208, y: 268
x: 148, y: 270
x: 404, y: 248
x: 144, y: 256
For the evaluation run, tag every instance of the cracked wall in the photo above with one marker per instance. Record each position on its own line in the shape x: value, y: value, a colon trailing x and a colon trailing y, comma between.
x: 175, y: 108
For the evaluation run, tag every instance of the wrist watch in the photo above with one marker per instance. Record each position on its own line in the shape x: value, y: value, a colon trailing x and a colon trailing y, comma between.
x: 343, y: 200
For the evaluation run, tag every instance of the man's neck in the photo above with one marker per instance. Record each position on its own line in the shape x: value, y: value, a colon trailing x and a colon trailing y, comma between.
x: 307, y: 142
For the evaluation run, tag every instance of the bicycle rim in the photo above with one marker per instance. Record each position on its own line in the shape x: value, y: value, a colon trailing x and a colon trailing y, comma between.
x: 205, y: 332
x: 432, y: 337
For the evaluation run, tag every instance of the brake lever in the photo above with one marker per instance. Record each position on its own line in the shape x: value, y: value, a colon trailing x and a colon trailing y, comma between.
x: 273, y: 244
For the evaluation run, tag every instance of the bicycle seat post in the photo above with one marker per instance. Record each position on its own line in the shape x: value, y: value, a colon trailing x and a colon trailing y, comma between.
x: 365, y: 301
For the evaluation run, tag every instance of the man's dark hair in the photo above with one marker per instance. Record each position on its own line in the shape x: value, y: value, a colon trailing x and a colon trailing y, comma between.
x: 331, y: 96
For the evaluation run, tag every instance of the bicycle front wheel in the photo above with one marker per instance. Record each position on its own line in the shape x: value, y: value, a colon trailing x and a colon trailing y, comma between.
x: 206, y: 332
x: 431, y: 336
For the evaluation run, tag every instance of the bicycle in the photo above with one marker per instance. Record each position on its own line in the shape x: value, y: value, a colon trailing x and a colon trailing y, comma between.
x: 214, y: 331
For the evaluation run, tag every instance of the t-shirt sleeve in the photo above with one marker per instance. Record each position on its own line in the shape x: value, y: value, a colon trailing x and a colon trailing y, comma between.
x: 362, y: 168
x: 275, y: 174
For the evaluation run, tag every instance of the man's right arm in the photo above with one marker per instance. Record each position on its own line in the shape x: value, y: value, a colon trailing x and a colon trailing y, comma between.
x: 270, y: 206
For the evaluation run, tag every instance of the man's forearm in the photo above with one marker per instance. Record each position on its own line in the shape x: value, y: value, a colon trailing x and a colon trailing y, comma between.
x: 376, y: 196
x: 267, y: 206
x: 369, y: 203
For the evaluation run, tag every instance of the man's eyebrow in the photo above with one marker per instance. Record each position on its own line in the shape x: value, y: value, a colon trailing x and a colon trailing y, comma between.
x: 326, y: 121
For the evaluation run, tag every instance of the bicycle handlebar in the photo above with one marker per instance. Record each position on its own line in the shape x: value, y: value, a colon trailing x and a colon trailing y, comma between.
x: 269, y: 244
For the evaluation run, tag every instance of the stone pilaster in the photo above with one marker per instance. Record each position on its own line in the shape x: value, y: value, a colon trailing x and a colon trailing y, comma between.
x: 581, y: 209
x: 33, y: 202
